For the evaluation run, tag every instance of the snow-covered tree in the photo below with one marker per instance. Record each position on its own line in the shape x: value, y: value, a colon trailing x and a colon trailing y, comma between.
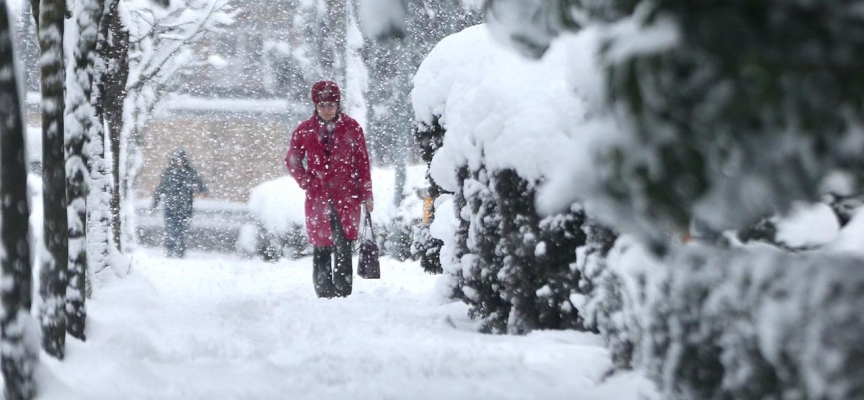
x: 115, y: 55
x: 144, y: 49
x: 28, y: 46
x: 53, y: 272
x: 79, y: 122
x: 313, y: 47
x: 398, y: 35
x: 292, y: 70
x: 161, y: 46
x: 98, y: 209
x: 19, y: 350
x: 109, y: 76
x: 333, y: 39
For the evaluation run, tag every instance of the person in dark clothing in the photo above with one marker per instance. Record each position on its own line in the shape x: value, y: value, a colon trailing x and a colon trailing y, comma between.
x: 328, y: 159
x: 176, y: 191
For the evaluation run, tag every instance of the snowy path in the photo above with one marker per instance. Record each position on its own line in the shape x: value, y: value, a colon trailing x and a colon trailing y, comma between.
x: 217, y: 327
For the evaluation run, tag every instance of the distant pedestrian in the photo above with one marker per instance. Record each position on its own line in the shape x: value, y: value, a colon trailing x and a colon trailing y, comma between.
x: 328, y: 158
x: 176, y: 191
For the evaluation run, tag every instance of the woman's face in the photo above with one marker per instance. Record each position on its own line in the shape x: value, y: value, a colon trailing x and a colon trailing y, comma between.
x: 327, y: 110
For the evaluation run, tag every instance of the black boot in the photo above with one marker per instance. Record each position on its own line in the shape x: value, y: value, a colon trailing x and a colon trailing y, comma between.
x: 343, y: 273
x: 322, y: 271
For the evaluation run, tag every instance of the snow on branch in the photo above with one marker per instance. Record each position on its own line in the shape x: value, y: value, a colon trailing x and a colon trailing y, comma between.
x: 162, y: 38
x: 161, y: 42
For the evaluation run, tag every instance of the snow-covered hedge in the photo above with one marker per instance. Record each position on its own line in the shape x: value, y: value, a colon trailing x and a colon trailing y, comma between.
x: 278, y: 206
x: 696, y: 128
x: 747, y: 323
x: 750, y: 321
x: 503, y: 136
x: 707, y: 319
x: 512, y: 266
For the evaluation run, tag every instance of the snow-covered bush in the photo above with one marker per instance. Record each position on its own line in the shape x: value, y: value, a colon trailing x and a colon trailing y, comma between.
x: 425, y: 246
x: 247, y: 241
x: 752, y: 134
x: 740, y: 324
x: 805, y: 227
x: 480, y: 283
x: 278, y: 206
x: 515, y: 271
x: 752, y: 321
x: 616, y: 286
x: 503, y: 135
x: 732, y: 323
x: 394, y: 225
x: 710, y: 119
x: 735, y: 324
x: 593, y: 272
x: 427, y: 249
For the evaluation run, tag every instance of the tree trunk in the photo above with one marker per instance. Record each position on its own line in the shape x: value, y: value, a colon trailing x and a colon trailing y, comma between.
x: 87, y: 16
x: 27, y: 278
x: 128, y: 174
x: 333, y: 41
x: 399, y: 240
x: 98, y: 213
x: 404, y: 113
x: 115, y: 77
x: 52, y: 286
x: 18, y: 359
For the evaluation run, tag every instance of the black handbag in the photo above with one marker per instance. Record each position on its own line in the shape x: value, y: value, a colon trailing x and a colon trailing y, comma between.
x: 368, y: 266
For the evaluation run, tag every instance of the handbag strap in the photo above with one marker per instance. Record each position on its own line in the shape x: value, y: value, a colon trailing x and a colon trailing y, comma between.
x: 368, y: 224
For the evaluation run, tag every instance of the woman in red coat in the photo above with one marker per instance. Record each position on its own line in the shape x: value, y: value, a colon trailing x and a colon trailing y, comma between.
x: 328, y: 158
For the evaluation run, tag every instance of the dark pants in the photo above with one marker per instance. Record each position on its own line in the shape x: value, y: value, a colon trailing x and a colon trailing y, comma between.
x: 176, y: 229
x: 330, y: 281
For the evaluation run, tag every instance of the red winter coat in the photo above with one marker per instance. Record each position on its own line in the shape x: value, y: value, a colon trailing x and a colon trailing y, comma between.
x: 343, y: 177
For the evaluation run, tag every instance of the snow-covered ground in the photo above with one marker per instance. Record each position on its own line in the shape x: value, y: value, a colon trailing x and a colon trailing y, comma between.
x: 216, y: 327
